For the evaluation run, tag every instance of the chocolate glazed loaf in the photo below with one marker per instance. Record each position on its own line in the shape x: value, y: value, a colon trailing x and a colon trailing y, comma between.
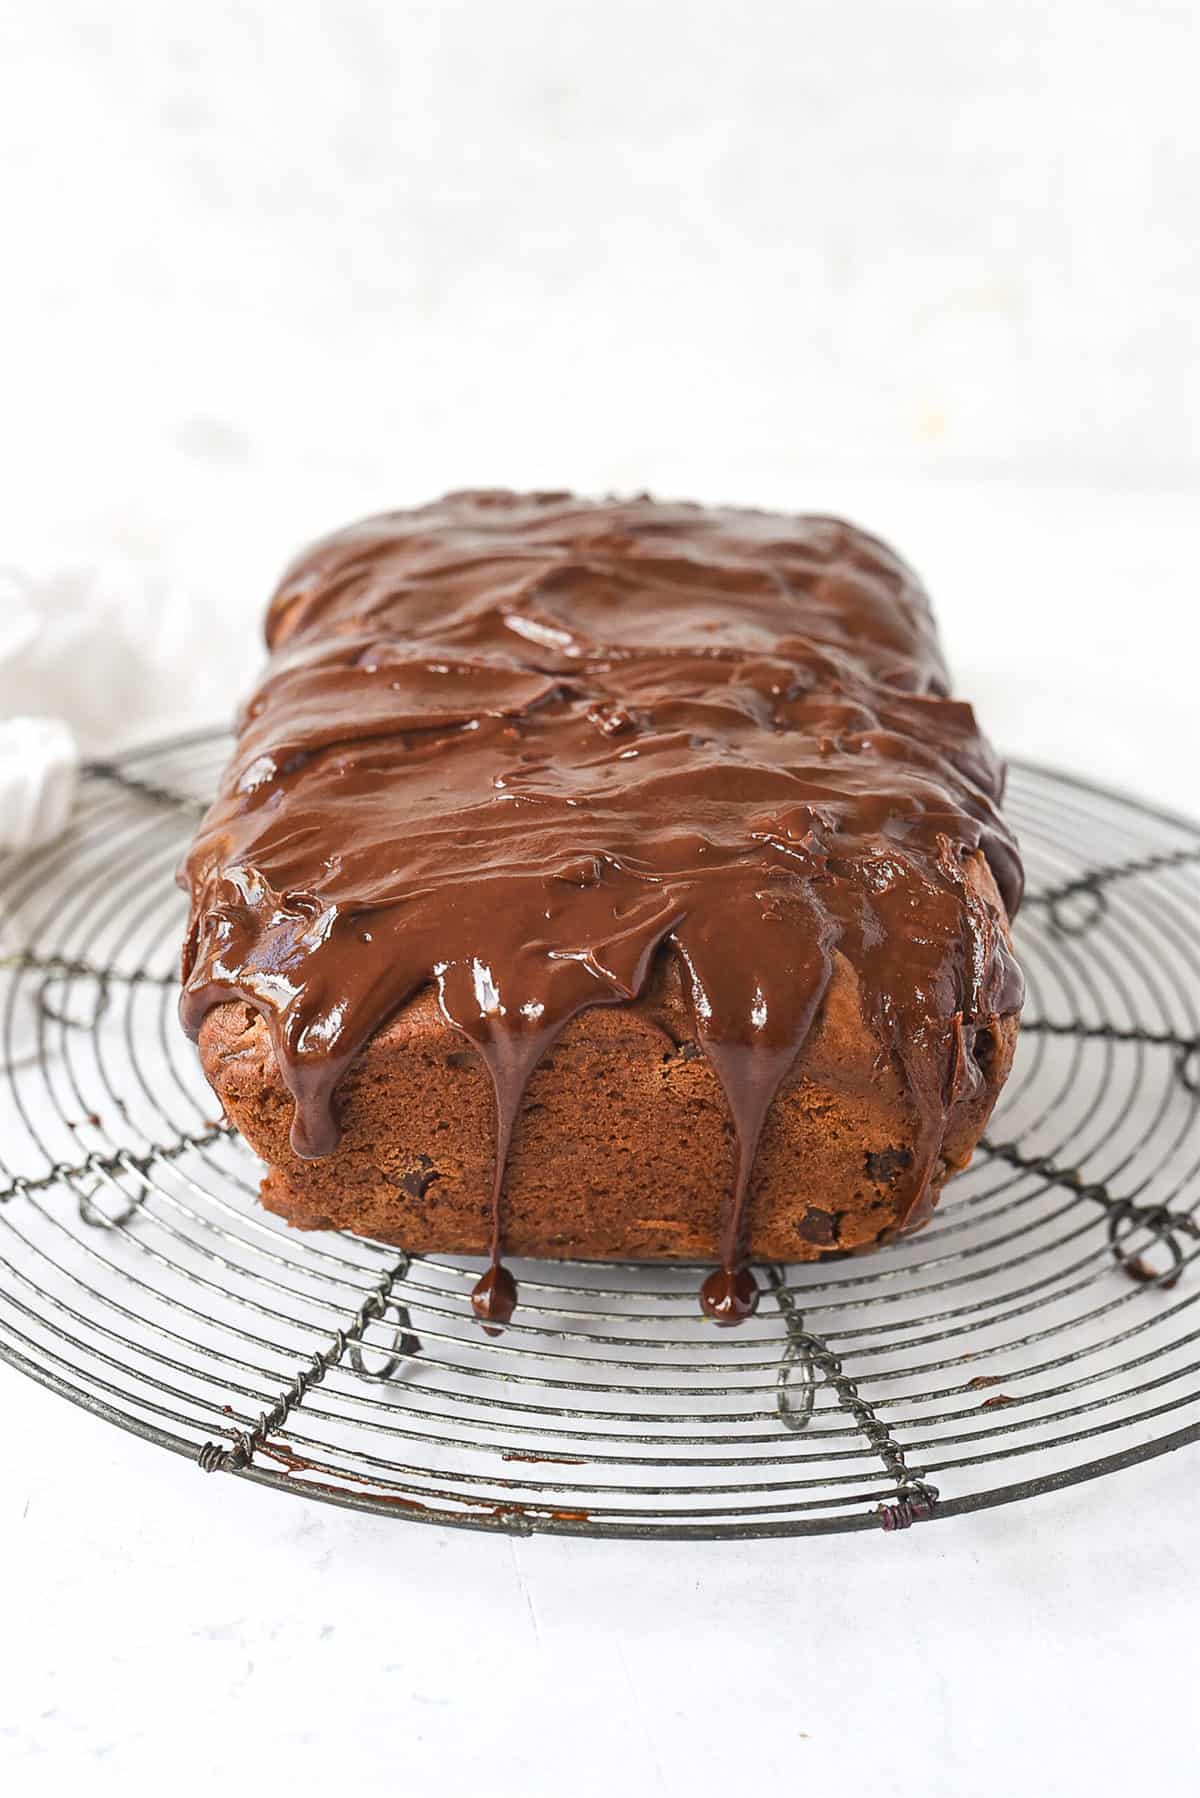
x: 605, y: 880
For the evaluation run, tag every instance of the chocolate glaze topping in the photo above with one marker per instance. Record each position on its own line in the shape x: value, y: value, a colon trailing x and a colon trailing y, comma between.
x: 515, y: 745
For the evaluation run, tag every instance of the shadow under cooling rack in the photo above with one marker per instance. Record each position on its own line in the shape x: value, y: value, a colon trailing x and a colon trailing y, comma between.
x: 1043, y: 1330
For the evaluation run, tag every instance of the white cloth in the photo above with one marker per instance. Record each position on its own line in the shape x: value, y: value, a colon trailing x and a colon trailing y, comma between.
x: 81, y: 644
x: 79, y: 649
x: 39, y: 768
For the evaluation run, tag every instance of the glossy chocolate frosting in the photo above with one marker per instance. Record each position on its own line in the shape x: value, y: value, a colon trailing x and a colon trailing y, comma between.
x: 513, y: 745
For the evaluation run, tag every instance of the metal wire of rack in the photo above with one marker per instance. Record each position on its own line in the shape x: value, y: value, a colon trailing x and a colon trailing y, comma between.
x: 1043, y: 1330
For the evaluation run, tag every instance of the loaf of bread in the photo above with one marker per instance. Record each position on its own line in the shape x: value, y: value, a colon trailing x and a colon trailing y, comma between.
x: 605, y: 880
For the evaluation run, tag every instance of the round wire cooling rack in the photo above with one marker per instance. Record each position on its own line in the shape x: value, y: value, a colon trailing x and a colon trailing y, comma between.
x: 1041, y: 1331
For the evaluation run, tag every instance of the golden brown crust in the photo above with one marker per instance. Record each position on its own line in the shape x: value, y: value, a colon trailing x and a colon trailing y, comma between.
x: 623, y: 1148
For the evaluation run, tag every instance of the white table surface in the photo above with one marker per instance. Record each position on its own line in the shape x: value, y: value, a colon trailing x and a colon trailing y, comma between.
x: 156, y: 1618
x: 161, y: 1621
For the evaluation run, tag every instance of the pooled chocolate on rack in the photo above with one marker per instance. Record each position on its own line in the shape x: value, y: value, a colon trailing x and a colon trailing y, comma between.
x: 521, y: 757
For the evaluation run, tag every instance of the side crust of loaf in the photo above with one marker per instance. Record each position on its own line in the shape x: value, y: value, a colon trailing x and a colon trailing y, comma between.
x: 623, y: 1149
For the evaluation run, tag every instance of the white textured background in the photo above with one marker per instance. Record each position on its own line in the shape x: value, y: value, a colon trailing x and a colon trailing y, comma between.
x: 934, y: 265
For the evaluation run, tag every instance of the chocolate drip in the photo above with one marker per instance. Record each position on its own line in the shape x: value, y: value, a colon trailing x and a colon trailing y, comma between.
x: 510, y: 1058
x: 784, y: 956
x: 729, y: 1295
x: 511, y: 1049
x: 494, y: 1297
x: 516, y: 746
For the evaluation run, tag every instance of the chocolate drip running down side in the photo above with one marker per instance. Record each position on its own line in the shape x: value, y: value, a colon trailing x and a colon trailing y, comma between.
x: 514, y: 747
